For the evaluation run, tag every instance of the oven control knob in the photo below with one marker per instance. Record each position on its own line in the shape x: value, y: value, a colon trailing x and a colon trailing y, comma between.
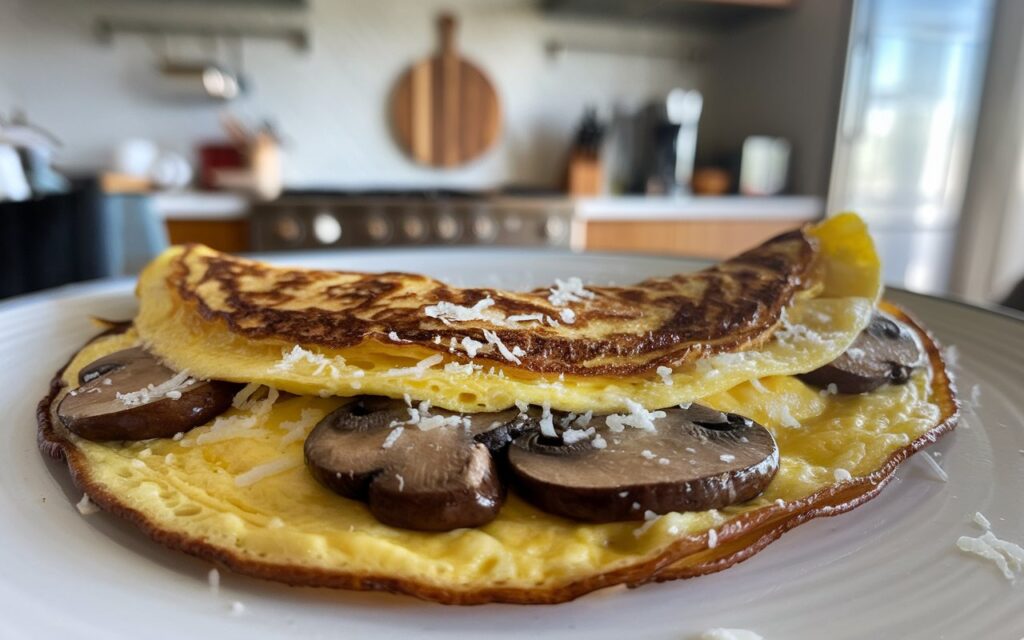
x: 378, y: 228
x: 288, y: 228
x: 414, y: 228
x: 485, y: 229
x: 555, y: 229
x: 326, y: 228
x: 448, y: 227
x: 513, y: 223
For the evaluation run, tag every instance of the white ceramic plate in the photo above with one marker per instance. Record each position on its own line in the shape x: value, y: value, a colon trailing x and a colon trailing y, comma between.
x: 886, y: 570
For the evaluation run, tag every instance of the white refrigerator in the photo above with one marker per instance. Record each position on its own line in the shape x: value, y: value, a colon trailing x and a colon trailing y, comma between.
x: 910, y: 98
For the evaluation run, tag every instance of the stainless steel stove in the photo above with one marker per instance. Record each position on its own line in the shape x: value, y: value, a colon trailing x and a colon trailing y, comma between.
x: 314, y: 220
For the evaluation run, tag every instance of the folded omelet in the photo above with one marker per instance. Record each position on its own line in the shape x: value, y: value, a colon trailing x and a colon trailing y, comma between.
x: 534, y: 398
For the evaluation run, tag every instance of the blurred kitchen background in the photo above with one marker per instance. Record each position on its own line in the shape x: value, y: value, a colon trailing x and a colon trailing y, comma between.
x: 686, y: 127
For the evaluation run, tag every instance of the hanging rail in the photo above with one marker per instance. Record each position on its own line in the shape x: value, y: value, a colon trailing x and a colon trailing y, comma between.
x: 107, y: 28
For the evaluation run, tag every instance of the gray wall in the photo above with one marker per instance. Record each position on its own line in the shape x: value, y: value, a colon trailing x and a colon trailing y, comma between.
x: 330, y: 103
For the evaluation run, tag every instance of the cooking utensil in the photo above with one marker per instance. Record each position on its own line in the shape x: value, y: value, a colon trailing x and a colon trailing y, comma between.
x: 683, y: 108
x: 444, y: 110
x: 200, y: 81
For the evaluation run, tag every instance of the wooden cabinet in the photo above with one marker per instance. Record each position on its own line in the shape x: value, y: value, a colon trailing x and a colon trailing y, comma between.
x: 716, y: 239
x: 218, y: 219
x: 223, y: 235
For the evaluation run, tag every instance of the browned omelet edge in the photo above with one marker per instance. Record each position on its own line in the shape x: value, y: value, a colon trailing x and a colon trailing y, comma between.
x: 738, y: 540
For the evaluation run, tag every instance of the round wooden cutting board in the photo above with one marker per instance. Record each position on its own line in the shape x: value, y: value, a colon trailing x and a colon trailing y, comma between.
x: 444, y: 110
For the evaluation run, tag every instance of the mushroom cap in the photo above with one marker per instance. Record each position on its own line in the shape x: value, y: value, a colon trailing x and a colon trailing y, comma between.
x: 434, y: 479
x: 886, y: 351
x: 95, y: 412
x: 697, y: 459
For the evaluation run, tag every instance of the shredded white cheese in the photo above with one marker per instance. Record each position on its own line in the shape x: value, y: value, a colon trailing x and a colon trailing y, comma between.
x: 726, y: 457
x: 420, y: 417
x: 85, y: 506
x: 649, y: 519
x: 982, y: 521
x: 392, y: 438
x: 525, y: 317
x: 638, y: 417
x: 266, y: 470
x: 712, y: 538
x: 297, y: 354
x: 666, y: 374
x: 511, y: 356
x: 465, y: 369
x: 416, y: 370
x: 547, y: 426
x: 297, y: 429
x: 449, y: 312
x: 1007, y: 556
x: 471, y: 346
x: 241, y: 399
x: 940, y: 473
x: 569, y: 290
x: 241, y: 426
x: 567, y: 315
x: 170, y: 388
x: 648, y: 454
x: 598, y: 442
x: 842, y: 475
x: 393, y: 336
x: 785, y: 418
x: 572, y: 436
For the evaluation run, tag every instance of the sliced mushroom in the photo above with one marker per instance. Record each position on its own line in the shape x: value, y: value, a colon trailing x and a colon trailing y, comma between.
x: 150, y: 406
x: 697, y: 459
x: 886, y: 351
x: 434, y: 478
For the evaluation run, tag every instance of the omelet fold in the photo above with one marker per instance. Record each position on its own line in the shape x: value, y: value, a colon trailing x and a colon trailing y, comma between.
x: 820, y: 322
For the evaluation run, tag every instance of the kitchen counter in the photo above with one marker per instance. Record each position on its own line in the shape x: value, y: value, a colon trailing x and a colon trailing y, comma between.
x: 668, y: 208
x: 216, y: 219
x: 713, y: 227
x: 201, y: 205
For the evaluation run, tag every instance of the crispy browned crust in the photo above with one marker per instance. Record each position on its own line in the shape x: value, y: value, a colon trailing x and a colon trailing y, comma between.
x: 731, y: 306
x: 845, y: 497
x: 737, y: 541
